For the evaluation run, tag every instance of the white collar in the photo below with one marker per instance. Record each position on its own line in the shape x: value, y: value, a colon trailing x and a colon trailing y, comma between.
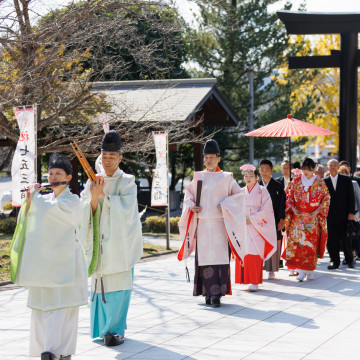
x: 117, y: 173
x: 334, y: 177
x: 266, y: 183
x: 307, y: 182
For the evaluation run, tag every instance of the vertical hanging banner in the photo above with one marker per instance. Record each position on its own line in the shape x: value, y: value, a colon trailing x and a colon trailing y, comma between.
x: 159, y: 191
x: 106, y: 127
x: 98, y: 163
x: 23, y: 164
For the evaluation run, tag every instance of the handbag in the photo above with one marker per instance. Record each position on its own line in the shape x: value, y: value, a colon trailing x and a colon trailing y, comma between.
x: 353, y: 233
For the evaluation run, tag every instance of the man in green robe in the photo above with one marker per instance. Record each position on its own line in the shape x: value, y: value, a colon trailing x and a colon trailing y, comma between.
x: 47, y: 257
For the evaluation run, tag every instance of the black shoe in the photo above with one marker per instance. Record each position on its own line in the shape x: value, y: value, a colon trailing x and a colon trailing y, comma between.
x: 351, y: 265
x: 215, y: 300
x: 67, y: 357
x: 207, y: 300
x: 47, y: 355
x: 113, y: 339
x: 333, y: 267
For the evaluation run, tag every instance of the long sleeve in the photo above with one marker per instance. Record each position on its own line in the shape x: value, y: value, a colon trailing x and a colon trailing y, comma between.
x: 89, y: 229
x: 47, y: 257
x: 290, y: 199
x: 265, y: 209
x: 325, y: 202
x: 189, y: 198
x: 235, y: 188
x: 263, y: 222
x: 120, y: 221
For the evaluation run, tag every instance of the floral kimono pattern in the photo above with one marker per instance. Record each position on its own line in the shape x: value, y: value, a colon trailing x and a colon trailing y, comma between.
x: 307, y: 236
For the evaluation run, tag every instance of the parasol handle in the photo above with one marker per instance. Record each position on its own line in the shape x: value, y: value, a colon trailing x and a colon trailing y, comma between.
x: 198, y: 192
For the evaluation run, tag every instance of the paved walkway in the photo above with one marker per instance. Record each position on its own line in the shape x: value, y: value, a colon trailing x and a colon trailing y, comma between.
x: 317, y: 320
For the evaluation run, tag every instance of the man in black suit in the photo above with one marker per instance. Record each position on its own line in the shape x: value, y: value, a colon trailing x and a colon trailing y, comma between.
x: 342, y: 209
x: 278, y: 199
x: 285, y: 169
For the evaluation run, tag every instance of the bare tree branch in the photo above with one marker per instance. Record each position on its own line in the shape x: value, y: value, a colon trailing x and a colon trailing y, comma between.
x: 53, y: 61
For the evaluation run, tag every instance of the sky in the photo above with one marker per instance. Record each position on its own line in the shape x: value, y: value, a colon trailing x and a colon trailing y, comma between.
x: 186, y: 7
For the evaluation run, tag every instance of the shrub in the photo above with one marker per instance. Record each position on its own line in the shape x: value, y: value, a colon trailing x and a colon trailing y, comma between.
x: 157, y: 224
x: 8, y: 225
x: 8, y: 206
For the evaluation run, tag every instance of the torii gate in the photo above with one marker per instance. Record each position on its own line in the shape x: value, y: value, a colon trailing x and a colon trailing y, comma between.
x: 347, y: 59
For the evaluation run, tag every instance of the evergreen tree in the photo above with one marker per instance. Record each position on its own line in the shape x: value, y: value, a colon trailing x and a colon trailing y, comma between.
x: 233, y: 37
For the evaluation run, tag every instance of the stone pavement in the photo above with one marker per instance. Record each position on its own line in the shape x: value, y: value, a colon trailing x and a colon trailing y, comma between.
x: 317, y: 319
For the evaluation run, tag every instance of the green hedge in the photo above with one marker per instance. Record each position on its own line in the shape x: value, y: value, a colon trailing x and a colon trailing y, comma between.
x: 8, y: 225
x: 157, y: 224
x: 8, y: 206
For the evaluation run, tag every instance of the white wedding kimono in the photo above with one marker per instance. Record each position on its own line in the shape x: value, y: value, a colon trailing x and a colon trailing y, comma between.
x: 47, y: 257
x: 118, y: 226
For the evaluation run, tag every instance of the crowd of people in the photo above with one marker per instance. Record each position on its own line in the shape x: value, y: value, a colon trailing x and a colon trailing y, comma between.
x: 61, y: 239
x: 293, y: 218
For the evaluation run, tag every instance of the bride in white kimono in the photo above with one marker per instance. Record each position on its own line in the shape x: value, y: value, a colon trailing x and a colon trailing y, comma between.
x: 47, y: 257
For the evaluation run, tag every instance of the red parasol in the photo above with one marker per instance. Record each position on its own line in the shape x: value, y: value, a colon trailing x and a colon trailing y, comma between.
x: 289, y: 127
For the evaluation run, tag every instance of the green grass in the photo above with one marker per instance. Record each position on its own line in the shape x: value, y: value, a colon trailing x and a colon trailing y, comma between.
x: 150, y: 249
x: 5, y: 241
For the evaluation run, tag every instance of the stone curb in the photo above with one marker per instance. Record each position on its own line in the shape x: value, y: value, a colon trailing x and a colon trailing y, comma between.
x: 157, y: 255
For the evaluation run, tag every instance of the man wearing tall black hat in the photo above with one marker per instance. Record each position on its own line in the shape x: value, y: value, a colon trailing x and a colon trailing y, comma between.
x: 206, y: 224
x: 110, y: 205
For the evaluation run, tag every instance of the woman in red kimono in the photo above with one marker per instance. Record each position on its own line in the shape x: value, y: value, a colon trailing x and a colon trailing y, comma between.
x: 307, y: 206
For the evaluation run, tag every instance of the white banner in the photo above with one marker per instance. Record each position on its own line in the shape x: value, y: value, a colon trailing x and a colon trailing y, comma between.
x: 23, y: 164
x: 106, y: 126
x: 98, y: 163
x: 159, y: 191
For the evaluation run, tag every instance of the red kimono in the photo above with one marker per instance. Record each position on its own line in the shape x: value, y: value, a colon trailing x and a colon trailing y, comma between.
x: 306, y: 236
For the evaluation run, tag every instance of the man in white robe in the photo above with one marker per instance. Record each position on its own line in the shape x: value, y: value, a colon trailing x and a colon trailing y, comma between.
x: 110, y: 207
x: 203, y: 226
x: 47, y: 257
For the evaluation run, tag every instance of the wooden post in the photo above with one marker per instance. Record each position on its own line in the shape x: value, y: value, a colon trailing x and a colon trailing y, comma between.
x: 168, y: 196
x: 74, y: 182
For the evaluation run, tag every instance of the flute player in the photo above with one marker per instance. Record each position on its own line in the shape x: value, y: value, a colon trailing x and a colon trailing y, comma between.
x: 47, y: 257
x: 206, y: 226
x: 110, y: 205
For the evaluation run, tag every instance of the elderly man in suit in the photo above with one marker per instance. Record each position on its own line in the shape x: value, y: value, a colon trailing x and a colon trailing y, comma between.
x: 342, y: 209
x: 278, y: 199
x: 285, y: 169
